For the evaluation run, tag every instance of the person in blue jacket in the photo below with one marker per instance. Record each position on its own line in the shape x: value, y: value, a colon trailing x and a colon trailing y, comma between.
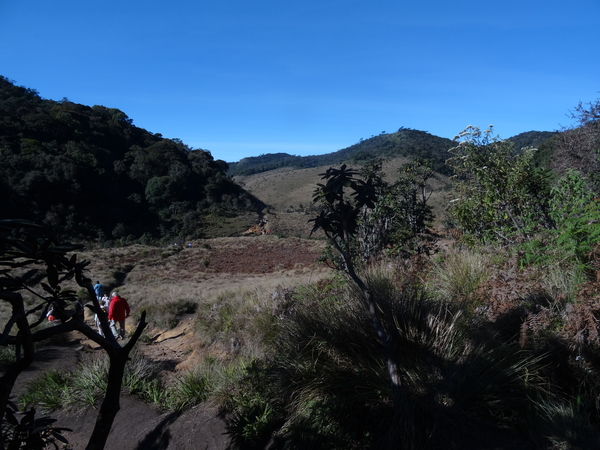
x: 98, y: 290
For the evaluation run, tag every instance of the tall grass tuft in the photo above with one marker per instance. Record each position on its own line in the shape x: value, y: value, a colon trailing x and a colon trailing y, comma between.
x: 48, y: 391
x: 326, y: 384
x: 7, y: 356
x: 561, y: 281
x: 211, y: 379
x: 459, y: 274
x: 188, y: 389
x: 84, y: 387
x: 566, y: 424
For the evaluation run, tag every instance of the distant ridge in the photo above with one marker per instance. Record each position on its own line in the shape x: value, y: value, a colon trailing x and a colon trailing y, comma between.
x: 405, y: 142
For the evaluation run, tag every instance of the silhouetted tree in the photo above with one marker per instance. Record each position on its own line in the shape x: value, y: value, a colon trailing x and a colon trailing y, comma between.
x: 37, y: 265
x: 342, y: 197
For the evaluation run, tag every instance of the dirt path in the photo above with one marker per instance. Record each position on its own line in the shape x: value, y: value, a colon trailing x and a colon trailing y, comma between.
x: 138, y: 426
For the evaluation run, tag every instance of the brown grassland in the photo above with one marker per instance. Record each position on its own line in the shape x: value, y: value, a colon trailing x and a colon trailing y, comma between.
x: 288, y: 192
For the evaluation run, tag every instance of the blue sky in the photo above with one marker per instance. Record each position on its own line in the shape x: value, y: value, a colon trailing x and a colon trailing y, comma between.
x: 243, y: 78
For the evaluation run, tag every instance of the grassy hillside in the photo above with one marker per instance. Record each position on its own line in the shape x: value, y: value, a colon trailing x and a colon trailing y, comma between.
x: 405, y: 142
x: 288, y: 194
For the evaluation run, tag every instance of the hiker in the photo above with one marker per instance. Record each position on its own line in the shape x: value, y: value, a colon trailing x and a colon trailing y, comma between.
x: 118, y: 311
x: 98, y: 290
x: 104, y: 302
x: 51, y: 315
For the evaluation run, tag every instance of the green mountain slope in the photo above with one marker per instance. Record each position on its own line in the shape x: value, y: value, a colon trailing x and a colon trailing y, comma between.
x: 405, y: 143
x: 89, y: 173
x: 286, y: 183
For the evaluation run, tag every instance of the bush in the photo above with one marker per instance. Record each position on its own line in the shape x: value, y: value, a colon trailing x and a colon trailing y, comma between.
x: 325, y: 360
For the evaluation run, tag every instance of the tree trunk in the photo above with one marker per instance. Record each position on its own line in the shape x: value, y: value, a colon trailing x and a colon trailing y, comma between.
x: 7, y: 382
x: 384, y: 338
x: 118, y: 357
x: 111, y: 403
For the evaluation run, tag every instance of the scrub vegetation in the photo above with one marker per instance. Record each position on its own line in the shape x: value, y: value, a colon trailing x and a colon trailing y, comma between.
x: 395, y: 325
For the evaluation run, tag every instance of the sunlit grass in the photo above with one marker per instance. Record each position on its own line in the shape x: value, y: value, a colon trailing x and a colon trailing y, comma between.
x: 458, y: 275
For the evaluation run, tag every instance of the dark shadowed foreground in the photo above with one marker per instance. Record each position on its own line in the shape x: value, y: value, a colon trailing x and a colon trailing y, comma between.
x: 137, y: 425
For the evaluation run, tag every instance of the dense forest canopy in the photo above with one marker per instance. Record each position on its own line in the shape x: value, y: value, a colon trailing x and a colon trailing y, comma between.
x: 90, y: 173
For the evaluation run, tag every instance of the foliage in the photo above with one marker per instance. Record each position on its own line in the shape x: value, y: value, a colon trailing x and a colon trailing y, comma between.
x: 30, y: 432
x: 500, y: 195
x: 398, y: 224
x: 56, y: 156
x: 578, y: 147
x: 326, y: 361
x: 576, y: 212
x: 376, y: 218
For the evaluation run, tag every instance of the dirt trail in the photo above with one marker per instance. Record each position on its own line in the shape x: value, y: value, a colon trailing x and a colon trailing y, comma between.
x: 138, y: 426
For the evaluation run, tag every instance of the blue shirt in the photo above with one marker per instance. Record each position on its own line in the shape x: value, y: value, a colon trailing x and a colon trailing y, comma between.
x: 98, y: 290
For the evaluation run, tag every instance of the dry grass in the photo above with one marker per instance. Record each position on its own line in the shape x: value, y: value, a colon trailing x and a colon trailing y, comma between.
x: 459, y: 274
x: 288, y: 192
x: 150, y: 276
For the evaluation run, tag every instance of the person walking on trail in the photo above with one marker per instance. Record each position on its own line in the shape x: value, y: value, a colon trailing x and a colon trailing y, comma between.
x: 98, y: 289
x: 118, y: 311
x: 104, y: 303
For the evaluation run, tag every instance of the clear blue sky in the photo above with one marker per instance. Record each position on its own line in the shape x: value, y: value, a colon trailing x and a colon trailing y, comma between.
x: 242, y: 78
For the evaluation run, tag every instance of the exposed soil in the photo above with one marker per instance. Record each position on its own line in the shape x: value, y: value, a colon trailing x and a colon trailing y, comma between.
x: 138, y: 425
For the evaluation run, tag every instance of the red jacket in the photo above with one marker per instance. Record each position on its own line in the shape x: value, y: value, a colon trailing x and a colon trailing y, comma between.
x: 118, y: 309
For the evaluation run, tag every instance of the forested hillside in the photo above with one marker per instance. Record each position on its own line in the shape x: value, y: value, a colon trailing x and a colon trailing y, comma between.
x: 88, y: 172
x: 405, y: 142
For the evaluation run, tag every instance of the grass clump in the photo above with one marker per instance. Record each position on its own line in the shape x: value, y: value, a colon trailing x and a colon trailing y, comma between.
x: 212, y: 379
x: 77, y: 389
x: 325, y: 360
x: 188, y: 389
x: 7, y: 356
x: 459, y: 274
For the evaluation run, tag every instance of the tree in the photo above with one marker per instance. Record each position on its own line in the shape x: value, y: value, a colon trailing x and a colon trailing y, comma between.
x: 500, y: 195
x: 578, y: 147
x: 342, y: 198
x: 160, y: 191
x: 34, y: 264
x: 398, y: 224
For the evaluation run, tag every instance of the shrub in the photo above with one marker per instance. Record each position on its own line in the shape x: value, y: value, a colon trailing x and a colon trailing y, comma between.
x: 326, y: 361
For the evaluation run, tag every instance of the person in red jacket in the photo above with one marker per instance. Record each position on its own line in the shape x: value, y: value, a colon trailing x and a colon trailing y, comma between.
x: 118, y: 311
